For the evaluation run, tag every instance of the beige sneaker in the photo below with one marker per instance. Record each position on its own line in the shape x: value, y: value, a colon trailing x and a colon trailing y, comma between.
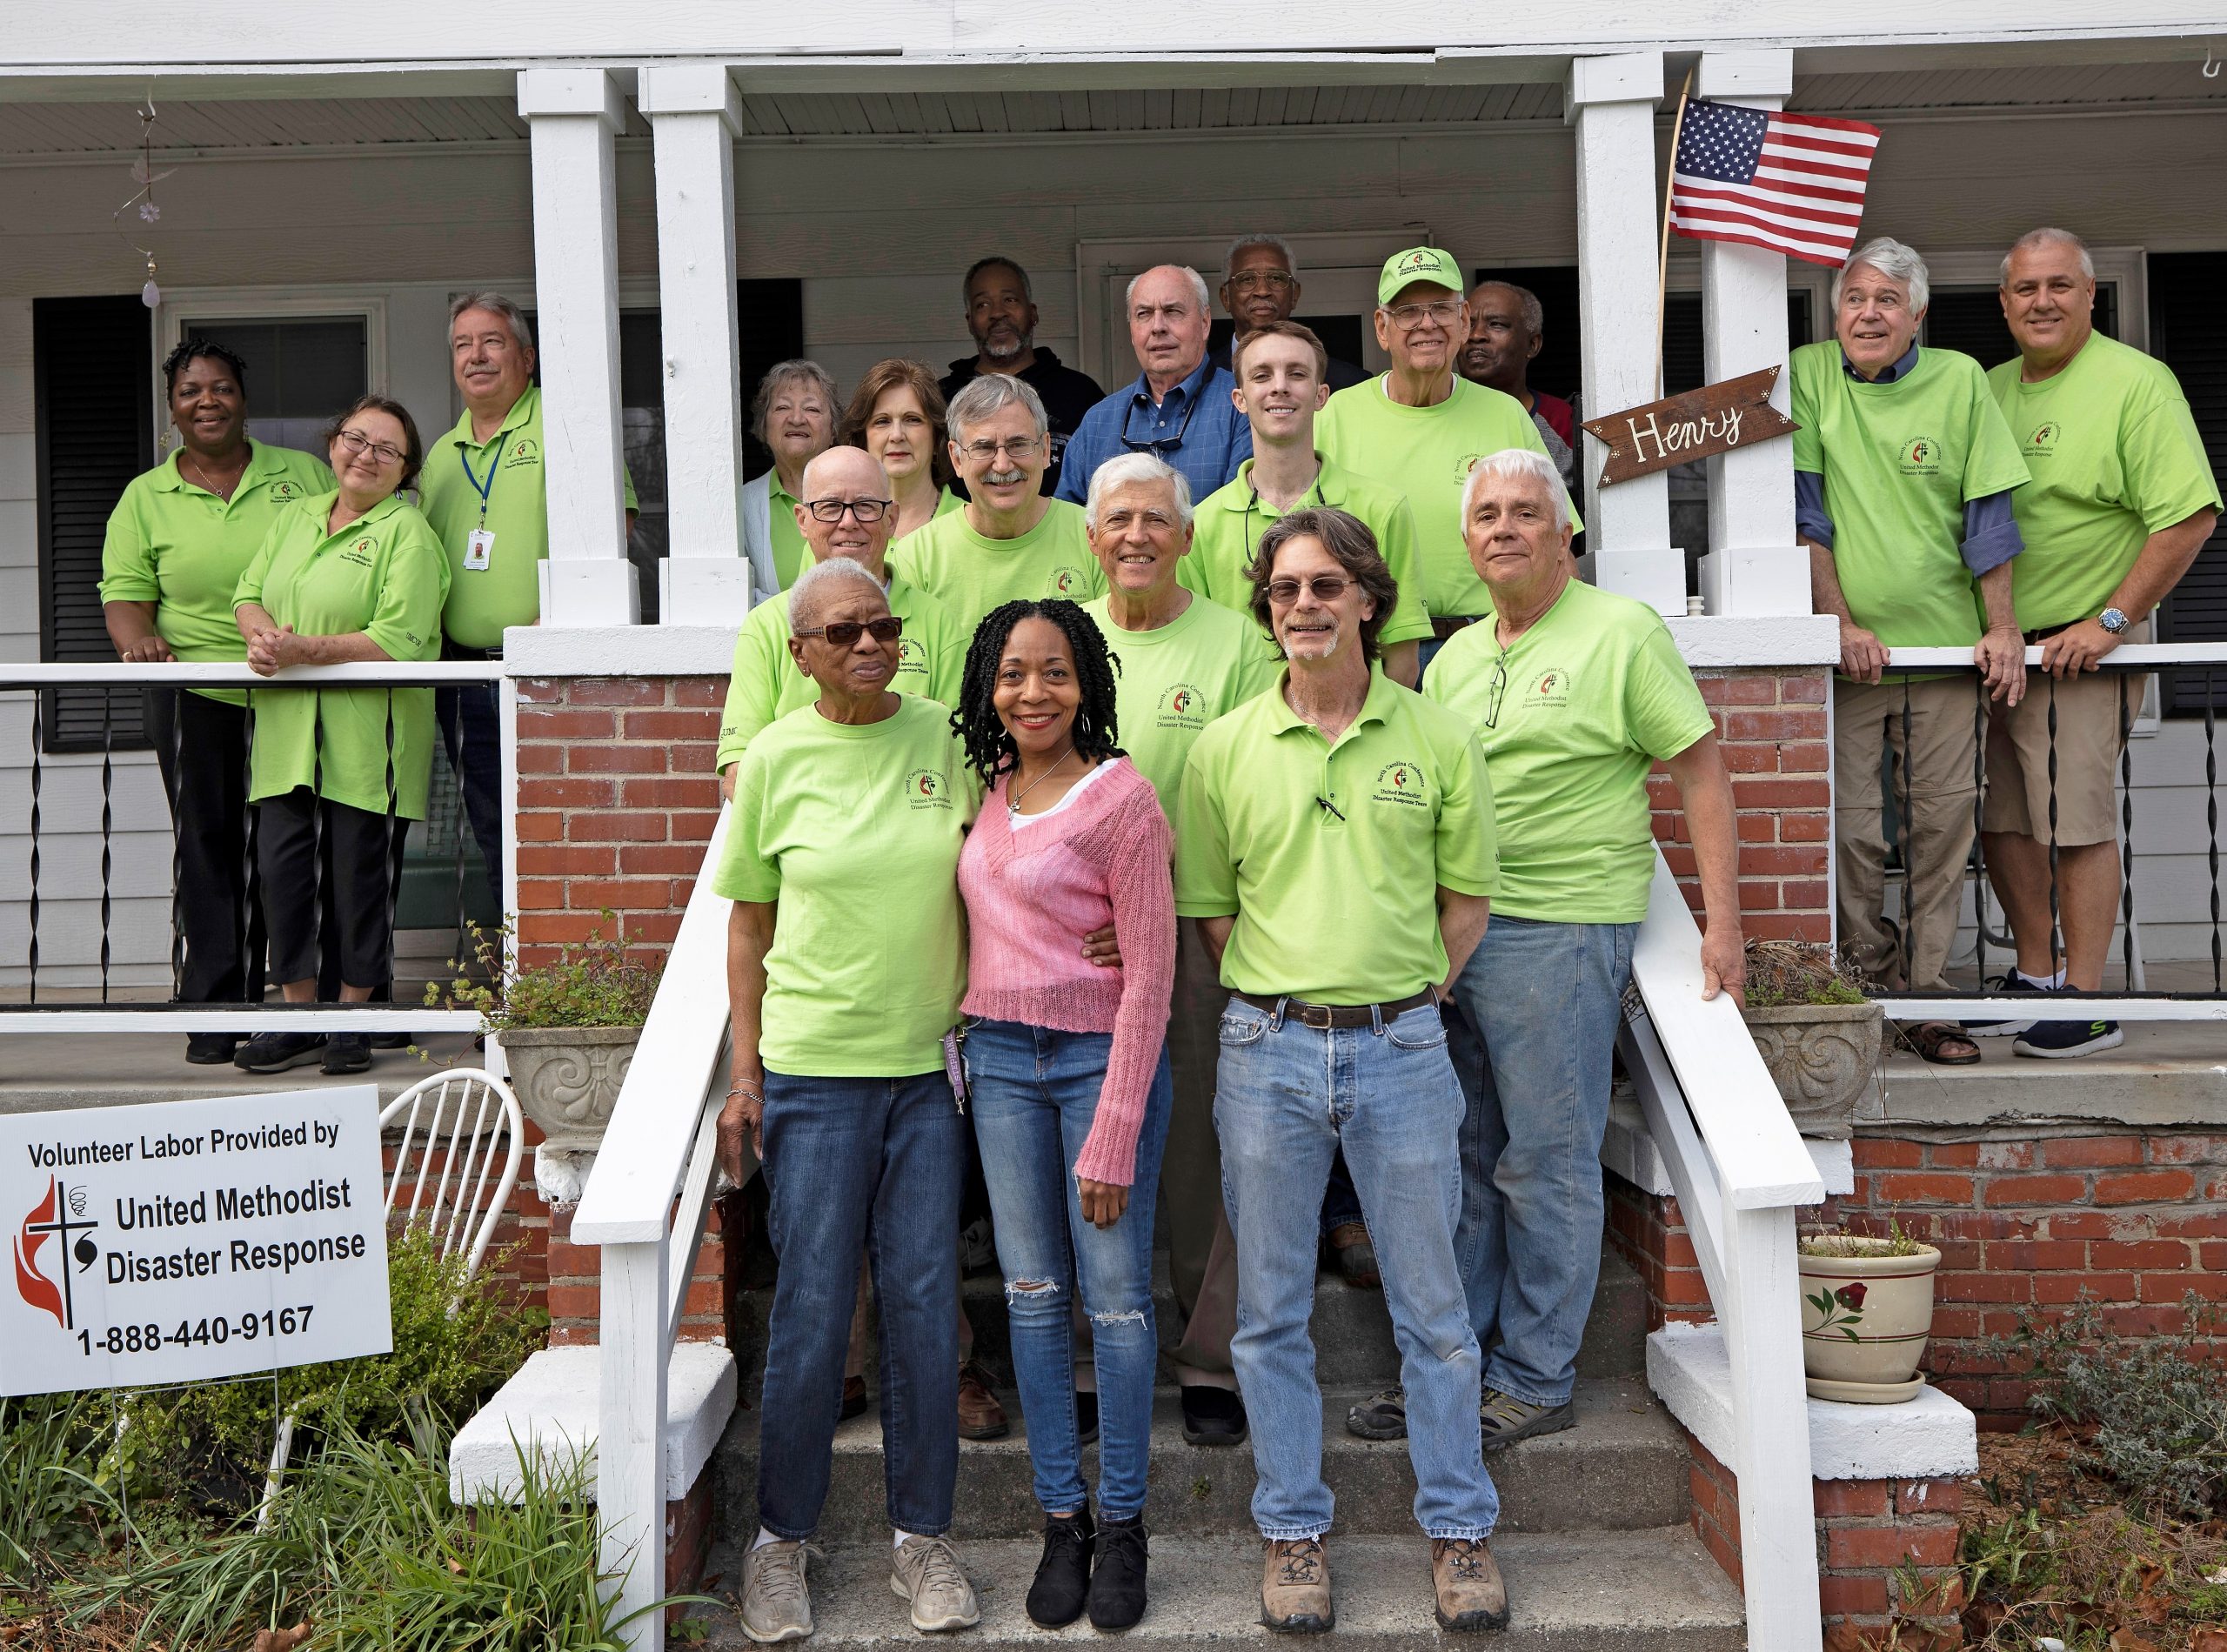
x: 1467, y: 1578
x: 1295, y: 1586
x: 925, y: 1573
x: 776, y: 1604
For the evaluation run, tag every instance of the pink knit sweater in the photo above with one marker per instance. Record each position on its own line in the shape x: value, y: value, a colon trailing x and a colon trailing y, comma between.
x: 1030, y: 900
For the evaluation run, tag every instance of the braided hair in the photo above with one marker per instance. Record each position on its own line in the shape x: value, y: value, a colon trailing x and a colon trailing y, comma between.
x: 990, y: 750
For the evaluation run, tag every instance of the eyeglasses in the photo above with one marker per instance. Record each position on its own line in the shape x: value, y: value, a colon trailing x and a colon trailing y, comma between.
x: 358, y: 444
x: 845, y: 634
x: 1255, y: 280
x: 1326, y: 587
x: 1493, y: 693
x: 1018, y: 449
x: 868, y: 511
x: 1408, y: 317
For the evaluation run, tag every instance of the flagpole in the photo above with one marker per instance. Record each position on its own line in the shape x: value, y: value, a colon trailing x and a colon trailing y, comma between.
x: 1662, y: 265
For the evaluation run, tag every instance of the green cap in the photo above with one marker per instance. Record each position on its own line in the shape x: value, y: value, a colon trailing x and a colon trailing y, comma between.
x: 1434, y: 264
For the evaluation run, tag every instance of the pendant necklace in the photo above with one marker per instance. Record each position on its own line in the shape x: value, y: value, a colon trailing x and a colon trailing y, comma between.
x: 1013, y: 802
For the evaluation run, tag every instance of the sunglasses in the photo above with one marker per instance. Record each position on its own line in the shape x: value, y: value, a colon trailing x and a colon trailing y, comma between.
x: 1326, y: 587
x: 845, y: 634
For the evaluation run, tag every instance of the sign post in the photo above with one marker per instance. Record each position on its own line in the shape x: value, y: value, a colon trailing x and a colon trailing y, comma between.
x: 186, y: 1241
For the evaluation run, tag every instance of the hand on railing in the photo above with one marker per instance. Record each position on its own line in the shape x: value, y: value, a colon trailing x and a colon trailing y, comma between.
x: 2000, y: 657
x: 2080, y: 647
x: 1724, y: 962
x: 1862, y: 655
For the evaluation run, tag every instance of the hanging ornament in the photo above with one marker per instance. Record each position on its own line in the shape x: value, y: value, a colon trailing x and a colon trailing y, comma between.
x: 144, y: 175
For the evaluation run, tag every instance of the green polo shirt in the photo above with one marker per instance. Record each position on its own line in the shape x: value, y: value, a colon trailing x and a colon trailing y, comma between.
x: 1901, y: 460
x: 2116, y: 456
x: 510, y: 466
x: 1426, y: 453
x: 970, y: 575
x: 173, y: 543
x: 384, y: 574
x: 790, y: 557
x: 1581, y: 706
x: 1173, y: 681
x: 766, y: 684
x: 1229, y: 523
x: 1333, y: 907
x: 855, y: 830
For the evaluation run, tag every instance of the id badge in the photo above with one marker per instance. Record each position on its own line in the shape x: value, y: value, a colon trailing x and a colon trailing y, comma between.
x: 955, y: 1069
x: 479, y: 545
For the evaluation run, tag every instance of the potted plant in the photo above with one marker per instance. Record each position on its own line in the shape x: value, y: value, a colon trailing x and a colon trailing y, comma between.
x: 1816, y: 1031
x: 1867, y: 1309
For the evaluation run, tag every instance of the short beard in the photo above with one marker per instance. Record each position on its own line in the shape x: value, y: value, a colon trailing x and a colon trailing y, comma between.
x: 996, y: 354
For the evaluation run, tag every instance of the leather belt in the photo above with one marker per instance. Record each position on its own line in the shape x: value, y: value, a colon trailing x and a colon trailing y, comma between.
x: 1321, y: 1016
x: 1444, y: 625
x: 457, y: 651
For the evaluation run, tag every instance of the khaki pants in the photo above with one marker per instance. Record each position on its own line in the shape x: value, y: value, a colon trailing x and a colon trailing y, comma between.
x: 1935, y: 785
x: 1202, y: 1258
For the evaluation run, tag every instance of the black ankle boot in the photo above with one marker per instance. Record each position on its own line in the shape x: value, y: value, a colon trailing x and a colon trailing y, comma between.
x: 1062, y: 1584
x: 1117, y: 1582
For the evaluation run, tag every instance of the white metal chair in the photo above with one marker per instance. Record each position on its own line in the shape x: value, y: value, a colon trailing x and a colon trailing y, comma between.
x: 460, y: 1204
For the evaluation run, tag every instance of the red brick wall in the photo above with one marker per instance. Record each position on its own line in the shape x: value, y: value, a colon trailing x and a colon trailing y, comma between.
x: 1770, y: 727
x: 1649, y: 1232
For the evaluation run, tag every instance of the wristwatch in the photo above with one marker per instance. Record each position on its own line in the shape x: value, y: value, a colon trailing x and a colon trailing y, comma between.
x: 2113, y: 620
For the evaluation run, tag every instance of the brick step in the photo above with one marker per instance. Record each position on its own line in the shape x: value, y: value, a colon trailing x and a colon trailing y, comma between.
x: 1623, y: 1466
x: 1653, y: 1590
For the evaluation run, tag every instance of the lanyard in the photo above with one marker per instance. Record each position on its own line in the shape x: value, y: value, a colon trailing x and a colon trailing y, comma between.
x: 1252, y: 504
x: 494, y: 462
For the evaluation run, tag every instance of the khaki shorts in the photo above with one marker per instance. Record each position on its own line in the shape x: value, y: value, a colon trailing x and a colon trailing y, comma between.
x: 2089, y: 742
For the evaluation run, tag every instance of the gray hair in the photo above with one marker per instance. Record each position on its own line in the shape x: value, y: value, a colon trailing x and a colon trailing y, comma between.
x: 1892, y: 259
x: 1131, y: 469
x: 2046, y: 238
x: 1198, y: 285
x: 1246, y: 243
x: 995, y: 261
x: 1535, y: 313
x: 816, y: 586
x: 984, y: 395
x: 798, y: 371
x: 496, y: 305
x: 1517, y: 464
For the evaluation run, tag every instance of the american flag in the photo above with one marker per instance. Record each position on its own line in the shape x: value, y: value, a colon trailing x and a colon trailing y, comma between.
x: 1791, y: 183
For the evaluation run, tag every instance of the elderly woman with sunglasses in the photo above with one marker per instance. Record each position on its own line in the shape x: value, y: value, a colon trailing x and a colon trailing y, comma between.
x: 351, y: 575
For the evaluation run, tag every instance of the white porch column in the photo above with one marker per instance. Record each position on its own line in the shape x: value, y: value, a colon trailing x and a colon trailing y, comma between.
x: 1611, y: 101
x: 574, y: 113
x: 696, y: 111
x: 1755, y: 565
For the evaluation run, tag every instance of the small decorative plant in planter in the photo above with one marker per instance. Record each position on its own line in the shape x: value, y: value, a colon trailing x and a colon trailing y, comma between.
x: 1867, y: 1309
x: 1816, y: 1031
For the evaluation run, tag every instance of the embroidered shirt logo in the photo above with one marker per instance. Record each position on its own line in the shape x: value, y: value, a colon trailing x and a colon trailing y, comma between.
x: 284, y: 492
x: 1066, y: 582
x: 927, y: 789
x: 1402, y: 783
x: 2043, y: 439
x: 1550, y: 688
x: 1921, y: 456
x: 1182, y: 706
x: 523, y: 451
x: 361, y: 552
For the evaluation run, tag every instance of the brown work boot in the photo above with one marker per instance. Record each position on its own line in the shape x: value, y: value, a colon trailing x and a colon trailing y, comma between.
x: 980, y: 1416
x: 1295, y: 1586
x: 1467, y: 1578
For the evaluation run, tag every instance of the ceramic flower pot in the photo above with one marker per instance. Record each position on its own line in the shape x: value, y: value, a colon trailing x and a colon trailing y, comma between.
x: 567, y: 1078
x: 1865, y: 1317
x: 1821, y: 1056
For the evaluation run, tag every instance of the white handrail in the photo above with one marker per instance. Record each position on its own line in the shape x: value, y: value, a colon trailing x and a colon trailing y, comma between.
x: 363, y: 673
x: 2145, y: 656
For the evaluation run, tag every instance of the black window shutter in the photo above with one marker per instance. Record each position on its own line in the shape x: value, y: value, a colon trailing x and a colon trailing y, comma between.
x: 2187, y: 334
x: 92, y: 367
x: 769, y: 311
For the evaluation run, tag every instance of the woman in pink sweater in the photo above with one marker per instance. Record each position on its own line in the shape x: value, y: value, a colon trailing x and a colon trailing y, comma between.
x: 1067, y: 1064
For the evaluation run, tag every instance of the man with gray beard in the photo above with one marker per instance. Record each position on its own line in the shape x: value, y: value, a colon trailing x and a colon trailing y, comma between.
x: 1001, y: 318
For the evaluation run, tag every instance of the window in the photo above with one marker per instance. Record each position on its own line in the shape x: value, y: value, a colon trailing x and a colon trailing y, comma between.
x: 301, y: 371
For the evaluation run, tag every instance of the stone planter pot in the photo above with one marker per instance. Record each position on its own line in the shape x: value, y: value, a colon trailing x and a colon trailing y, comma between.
x: 567, y: 1080
x: 1864, y: 1321
x: 1822, y: 1057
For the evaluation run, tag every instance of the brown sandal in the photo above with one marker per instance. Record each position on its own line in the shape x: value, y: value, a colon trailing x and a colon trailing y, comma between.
x: 1928, y: 1039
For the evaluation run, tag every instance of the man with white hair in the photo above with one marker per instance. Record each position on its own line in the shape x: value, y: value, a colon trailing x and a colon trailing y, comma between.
x: 1260, y: 285
x: 1903, y: 471
x: 1574, y: 693
x: 1178, y: 407
x: 2122, y: 499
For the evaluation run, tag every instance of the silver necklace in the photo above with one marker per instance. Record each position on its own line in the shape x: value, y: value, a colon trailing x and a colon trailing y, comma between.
x: 1013, y: 800
x: 222, y: 493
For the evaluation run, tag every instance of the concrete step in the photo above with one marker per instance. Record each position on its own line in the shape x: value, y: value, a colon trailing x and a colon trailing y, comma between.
x: 1623, y: 1468
x: 1617, y: 1591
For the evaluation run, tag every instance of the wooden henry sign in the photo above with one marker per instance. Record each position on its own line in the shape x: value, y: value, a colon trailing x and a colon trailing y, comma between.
x: 1714, y: 420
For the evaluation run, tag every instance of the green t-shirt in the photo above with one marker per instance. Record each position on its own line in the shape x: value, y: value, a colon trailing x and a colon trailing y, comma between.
x: 855, y: 830
x: 766, y: 684
x: 1900, y: 461
x: 1173, y: 682
x: 384, y: 574
x: 1426, y: 453
x: 509, y: 463
x: 970, y: 575
x: 1230, y: 521
x: 1331, y: 856
x: 1592, y: 695
x: 173, y: 543
x: 2116, y: 456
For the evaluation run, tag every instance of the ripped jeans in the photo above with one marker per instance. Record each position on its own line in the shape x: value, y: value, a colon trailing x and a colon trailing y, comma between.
x: 1034, y: 1094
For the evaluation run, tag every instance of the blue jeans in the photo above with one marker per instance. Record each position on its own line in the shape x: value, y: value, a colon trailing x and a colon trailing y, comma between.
x: 472, y: 732
x: 874, y: 1162
x: 1542, y: 1003
x: 1288, y: 1096
x: 1035, y: 1093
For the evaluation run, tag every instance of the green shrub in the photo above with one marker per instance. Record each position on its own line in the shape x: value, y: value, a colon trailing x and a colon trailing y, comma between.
x: 53, y: 1463
x: 595, y: 983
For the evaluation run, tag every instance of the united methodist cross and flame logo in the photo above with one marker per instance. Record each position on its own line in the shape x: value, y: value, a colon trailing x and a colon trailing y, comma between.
x: 1067, y: 581
x: 2044, y: 440
x: 927, y: 789
x: 59, y: 1214
x: 525, y: 450
x: 1400, y: 783
x: 1921, y: 456
x: 1181, y: 705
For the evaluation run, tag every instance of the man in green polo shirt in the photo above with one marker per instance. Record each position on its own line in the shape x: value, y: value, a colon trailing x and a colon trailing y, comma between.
x: 2122, y: 499
x: 485, y: 492
x: 1420, y: 427
x: 1010, y: 542
x: 1336, y: 839
x: 1278, y: 370
x: 1904, y: 470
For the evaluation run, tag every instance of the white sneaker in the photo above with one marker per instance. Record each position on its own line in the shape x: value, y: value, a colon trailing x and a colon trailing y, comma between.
x: 925, y: 1572
x: 776, y: 1603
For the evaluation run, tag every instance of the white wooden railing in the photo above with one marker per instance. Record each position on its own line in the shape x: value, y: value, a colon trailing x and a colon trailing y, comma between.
x: 1740, y: 1172
x: 645, y: 1204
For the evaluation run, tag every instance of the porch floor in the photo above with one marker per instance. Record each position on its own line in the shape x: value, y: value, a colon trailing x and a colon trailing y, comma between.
x: 42, y: 1072
x: 2167, y: 1073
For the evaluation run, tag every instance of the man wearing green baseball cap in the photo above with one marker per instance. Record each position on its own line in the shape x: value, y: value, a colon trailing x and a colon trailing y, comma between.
x: 1420, y: 427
